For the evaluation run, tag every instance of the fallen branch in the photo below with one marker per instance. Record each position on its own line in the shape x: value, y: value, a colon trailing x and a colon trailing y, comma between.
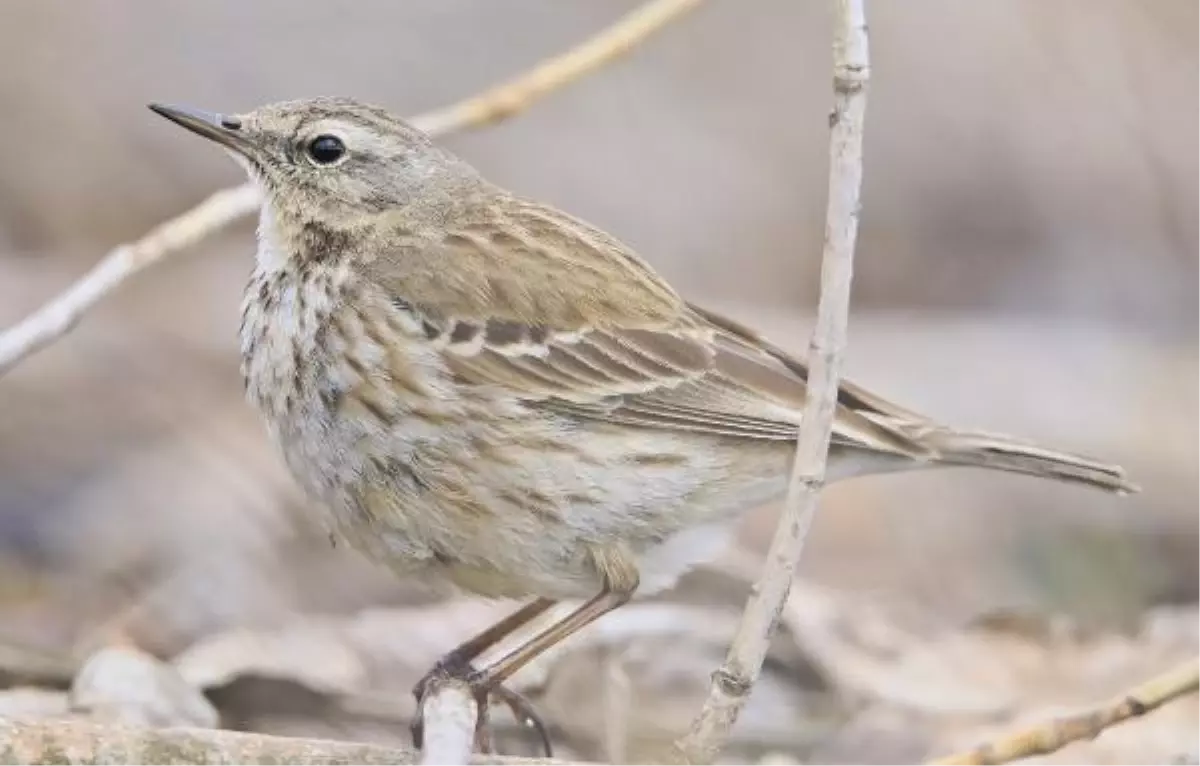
x: 1054, y: 735
x: 78, y: 742
x: 60, y: 315
x: 732, y: 682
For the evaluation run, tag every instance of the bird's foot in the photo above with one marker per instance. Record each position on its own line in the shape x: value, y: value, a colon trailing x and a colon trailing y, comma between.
x: 484, y: 689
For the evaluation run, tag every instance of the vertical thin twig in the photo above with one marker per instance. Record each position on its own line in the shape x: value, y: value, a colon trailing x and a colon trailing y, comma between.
x: 450, y: 715
x: 732, y: 682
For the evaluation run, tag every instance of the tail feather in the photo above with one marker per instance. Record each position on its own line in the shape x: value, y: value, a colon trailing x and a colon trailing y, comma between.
x: 1003, y: 453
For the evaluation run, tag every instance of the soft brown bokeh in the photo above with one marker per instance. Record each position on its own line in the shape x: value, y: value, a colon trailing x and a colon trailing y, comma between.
x: 1027, y: 263
x: 1023, y: 155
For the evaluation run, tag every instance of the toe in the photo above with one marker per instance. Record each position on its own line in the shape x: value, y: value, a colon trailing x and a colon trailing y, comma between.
x: 522, y: 710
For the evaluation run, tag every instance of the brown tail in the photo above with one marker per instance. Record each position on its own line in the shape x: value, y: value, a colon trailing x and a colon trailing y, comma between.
x: 1006, y: 454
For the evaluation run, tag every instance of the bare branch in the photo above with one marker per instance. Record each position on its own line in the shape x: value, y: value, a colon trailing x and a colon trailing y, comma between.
x: 732, y: 682
x: 79, y: 742
x: 449, y: 713
x: 517, y: 95
x: 1054, y: 735
x: 60, y: 315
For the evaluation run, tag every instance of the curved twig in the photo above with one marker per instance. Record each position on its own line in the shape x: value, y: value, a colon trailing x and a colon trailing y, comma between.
x: 1054, y: 735
x: 61, y: 314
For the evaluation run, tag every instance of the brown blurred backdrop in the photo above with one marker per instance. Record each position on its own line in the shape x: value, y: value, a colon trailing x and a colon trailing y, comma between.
x: 1027, y: 262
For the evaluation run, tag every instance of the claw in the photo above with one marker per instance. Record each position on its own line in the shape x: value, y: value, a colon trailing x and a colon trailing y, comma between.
x: 417, y: 728
x: 522, y: 710
x: 485, y: 743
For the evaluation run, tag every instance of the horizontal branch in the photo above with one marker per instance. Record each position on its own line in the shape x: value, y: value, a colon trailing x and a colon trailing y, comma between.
x: 76, y: 742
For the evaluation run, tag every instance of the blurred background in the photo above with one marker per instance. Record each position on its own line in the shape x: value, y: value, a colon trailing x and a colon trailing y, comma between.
x: 1027, y: 263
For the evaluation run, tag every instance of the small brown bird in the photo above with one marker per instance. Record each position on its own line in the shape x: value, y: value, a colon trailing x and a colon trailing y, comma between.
x: 480, y: 387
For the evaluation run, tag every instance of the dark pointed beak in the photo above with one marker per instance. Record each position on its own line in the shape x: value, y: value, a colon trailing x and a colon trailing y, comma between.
x: 226, y: 130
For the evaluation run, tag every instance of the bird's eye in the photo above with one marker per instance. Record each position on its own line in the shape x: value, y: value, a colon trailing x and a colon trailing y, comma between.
x: 326, y: 149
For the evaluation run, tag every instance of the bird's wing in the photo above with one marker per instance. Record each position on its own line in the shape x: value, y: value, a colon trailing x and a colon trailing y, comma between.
x: 565, y: 318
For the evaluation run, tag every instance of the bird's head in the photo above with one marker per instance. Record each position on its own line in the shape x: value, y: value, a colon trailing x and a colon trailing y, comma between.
x: 333, y: 158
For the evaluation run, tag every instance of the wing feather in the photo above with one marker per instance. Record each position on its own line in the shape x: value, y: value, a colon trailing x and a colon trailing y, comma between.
x: 585, y: 329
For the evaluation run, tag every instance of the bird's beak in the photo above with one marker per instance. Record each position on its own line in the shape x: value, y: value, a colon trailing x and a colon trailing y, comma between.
x: 226, y: 130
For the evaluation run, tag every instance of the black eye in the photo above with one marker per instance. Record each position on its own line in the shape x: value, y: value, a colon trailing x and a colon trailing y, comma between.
x: 326, y: 149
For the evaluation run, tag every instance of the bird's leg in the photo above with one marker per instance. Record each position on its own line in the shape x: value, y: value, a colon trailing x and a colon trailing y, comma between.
x: 457, y: 664
x: 489, y: 680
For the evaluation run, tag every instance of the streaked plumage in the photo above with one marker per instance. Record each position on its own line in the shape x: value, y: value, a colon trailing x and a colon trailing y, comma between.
x: 503, y: 370
x: 481, y: 387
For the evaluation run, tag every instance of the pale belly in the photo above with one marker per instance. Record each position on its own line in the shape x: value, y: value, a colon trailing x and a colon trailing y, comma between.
x: 521, y: 507
x: 514, y: 520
